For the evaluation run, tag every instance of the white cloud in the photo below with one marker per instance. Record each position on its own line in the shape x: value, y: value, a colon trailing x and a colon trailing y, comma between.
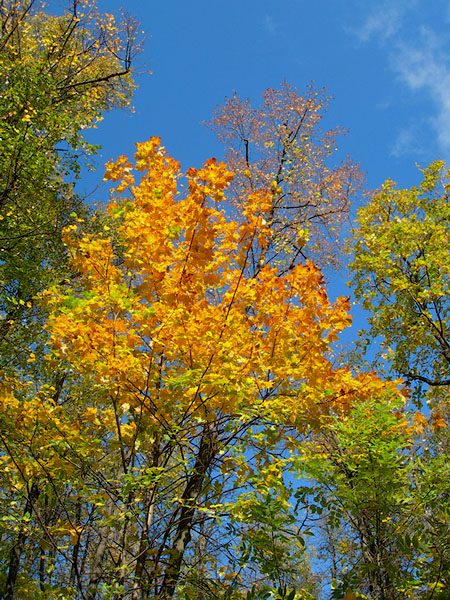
x: 408, y: 142
x: 425, y: 67
x: 416, y: 54
x: 270, y: 25
x: 383, y: 22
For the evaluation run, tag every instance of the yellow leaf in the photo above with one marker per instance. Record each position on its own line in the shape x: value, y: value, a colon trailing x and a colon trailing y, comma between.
x: 419, y: 422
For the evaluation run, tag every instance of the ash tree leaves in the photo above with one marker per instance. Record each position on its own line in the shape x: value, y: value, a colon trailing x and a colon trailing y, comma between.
x: 380, y: 487
x: 401, y: 273
x: 362, y: 470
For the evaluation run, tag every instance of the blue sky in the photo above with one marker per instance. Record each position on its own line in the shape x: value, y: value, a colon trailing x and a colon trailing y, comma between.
x: 385, y: 62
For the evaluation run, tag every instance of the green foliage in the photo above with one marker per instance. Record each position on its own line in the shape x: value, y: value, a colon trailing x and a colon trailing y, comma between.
x: 382, y: 496
x: 401, y: 272
x: 58, y: 75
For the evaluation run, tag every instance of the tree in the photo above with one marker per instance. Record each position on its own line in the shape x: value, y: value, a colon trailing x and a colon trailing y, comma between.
x: 401, y: 274
x: 187, y: 370
x: 59, y: 74
x: 279, y: 148
x: 381, y: 487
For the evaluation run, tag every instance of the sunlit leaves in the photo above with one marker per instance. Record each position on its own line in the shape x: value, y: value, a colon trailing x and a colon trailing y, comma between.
x: 381, y: 495
x: 59, y: 73
x: 180, y: 290
x: 185, y: 371
x: 401, y: 272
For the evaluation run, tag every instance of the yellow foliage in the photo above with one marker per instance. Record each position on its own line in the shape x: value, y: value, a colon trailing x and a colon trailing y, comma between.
x: 181, y: 317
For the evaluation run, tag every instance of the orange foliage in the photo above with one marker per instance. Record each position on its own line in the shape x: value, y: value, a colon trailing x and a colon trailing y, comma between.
x: 169, y: 319
x: 185, y: 371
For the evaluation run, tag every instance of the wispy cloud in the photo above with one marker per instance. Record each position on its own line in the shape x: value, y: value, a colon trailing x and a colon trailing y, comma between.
x: 383, y: 22
x: 270, y: 25
x: 416, y: 53
x: 426, y: 67
x: 408, y: 141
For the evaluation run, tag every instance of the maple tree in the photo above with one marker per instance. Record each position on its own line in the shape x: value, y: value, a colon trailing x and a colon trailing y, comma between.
x: 280, y: 148
x: 186, y: 369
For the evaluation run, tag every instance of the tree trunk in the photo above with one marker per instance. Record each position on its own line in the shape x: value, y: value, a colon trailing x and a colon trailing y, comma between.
x: 99, y: 556
x: 194, y: 486
x: 16, y: 551
x: 143, y: 542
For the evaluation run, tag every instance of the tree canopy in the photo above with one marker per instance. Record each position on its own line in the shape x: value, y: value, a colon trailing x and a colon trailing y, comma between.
x: 59, y: 74
x: 175, y: 419
x: 184, y: 362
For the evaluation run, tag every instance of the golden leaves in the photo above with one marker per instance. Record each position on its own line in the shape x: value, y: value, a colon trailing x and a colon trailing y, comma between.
x: 181, y: 317
x: 120, y: 170
x: 419, y: 422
